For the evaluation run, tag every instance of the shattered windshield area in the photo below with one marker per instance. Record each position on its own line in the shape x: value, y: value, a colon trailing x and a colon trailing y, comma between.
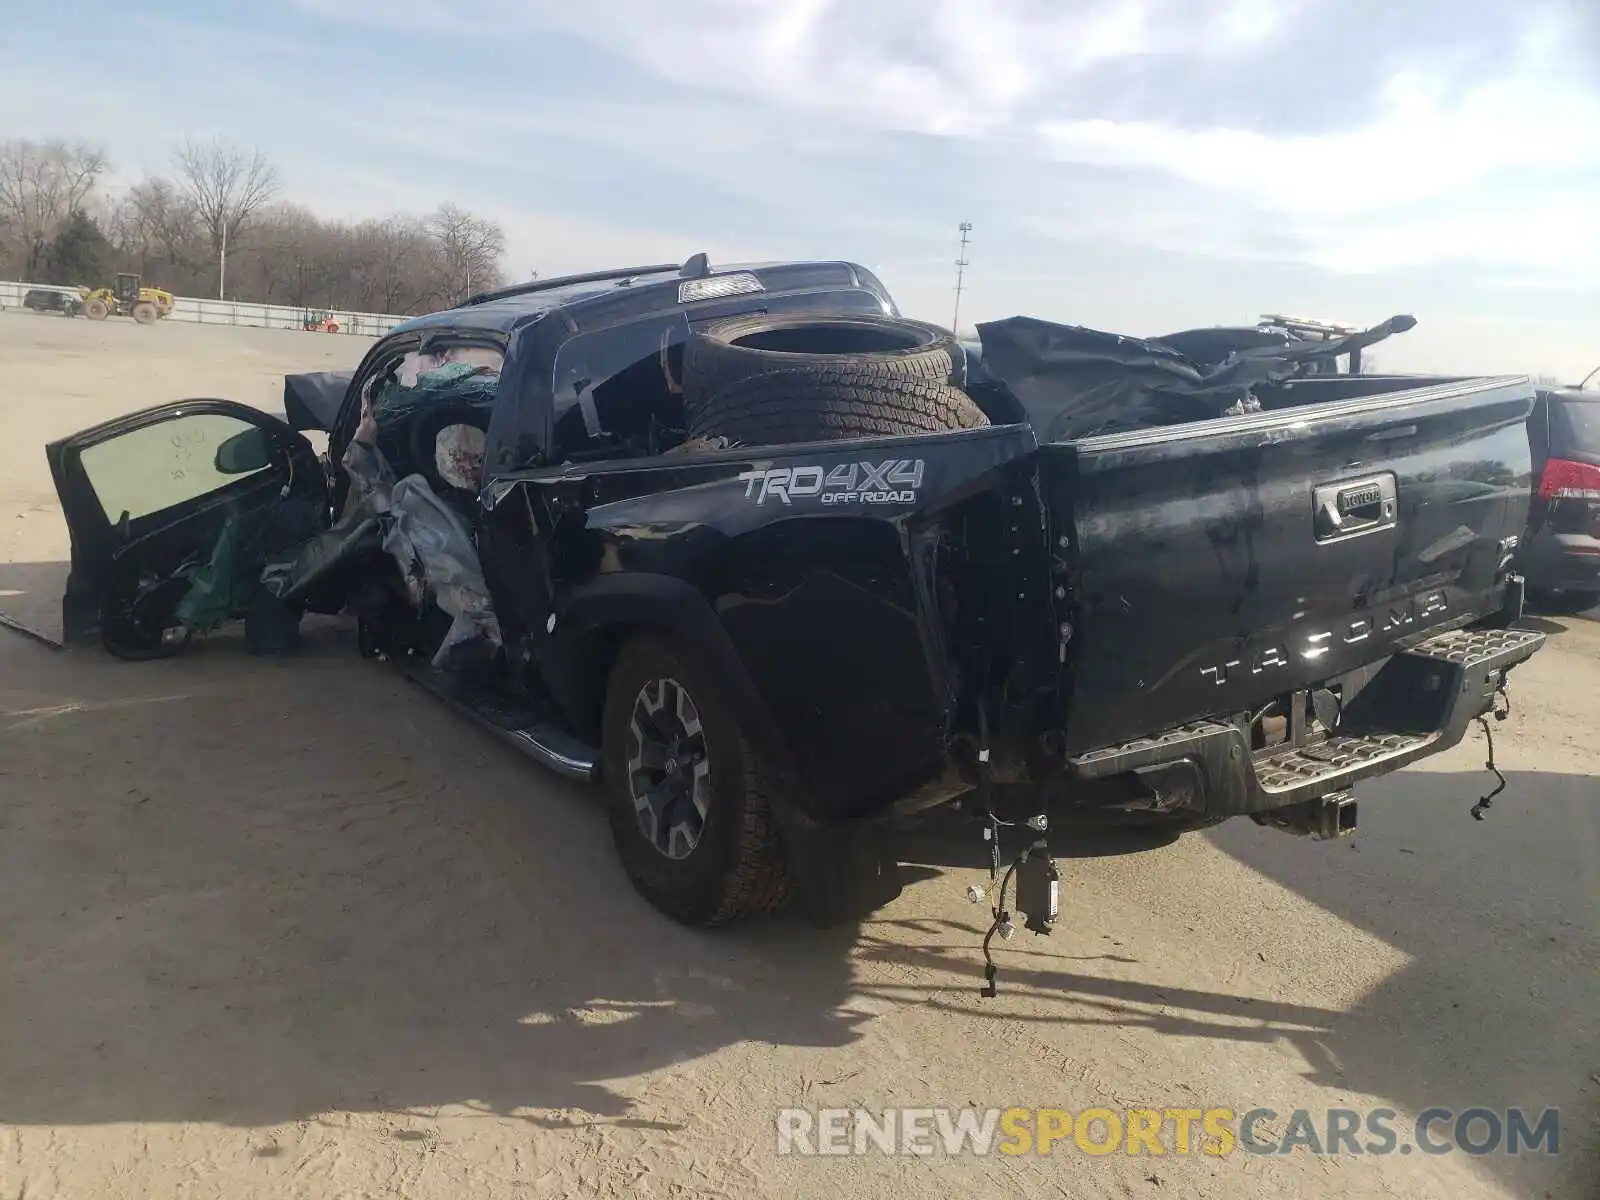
x: 414, y: 412
x: 422, y: 379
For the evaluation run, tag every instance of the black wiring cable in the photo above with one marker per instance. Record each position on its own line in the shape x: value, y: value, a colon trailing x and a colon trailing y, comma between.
x: 1500, y: 714
x: 1001, y: 916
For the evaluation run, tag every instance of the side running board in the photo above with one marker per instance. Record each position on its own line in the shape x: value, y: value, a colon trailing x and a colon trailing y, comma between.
x: 519, y: 727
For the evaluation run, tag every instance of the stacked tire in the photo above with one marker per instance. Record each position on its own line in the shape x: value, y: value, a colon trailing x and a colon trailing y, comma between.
x: 773, y: 379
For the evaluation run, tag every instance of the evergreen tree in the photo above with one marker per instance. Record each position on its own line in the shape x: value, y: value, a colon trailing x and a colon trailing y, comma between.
x: 79, y: 253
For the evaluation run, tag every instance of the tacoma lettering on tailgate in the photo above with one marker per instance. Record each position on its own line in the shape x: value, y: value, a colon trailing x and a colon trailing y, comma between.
x: 1392, y: 619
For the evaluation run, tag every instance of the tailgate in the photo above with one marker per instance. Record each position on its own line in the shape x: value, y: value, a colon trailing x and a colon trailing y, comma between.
x: 1214, y: 567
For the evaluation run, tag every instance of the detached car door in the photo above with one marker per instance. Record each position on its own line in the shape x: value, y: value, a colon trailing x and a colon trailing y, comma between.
x: 148, y: 496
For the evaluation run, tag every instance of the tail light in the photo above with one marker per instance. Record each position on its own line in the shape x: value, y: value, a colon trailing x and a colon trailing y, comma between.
x: 1563, y: 480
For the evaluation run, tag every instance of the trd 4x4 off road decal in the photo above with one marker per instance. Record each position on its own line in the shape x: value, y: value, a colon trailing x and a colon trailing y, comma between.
x: 893, y: 481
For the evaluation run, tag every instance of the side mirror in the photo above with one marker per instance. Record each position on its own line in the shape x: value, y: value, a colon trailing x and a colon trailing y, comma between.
x: 246, y: 451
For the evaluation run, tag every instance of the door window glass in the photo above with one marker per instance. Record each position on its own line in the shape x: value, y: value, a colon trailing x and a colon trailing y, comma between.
x: 1575, y: 425
x: 162, y: 465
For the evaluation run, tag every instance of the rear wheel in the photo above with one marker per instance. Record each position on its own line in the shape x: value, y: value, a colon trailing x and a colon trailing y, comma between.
x: 686, y: 793
x: 145, y: 313
x: 97, y: 310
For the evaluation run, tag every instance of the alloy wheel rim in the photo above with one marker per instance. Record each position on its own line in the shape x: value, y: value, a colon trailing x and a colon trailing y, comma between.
x: 669, y: 773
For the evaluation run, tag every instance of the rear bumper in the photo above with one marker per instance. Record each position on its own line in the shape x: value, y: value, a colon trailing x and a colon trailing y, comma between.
x: 1420, y: 703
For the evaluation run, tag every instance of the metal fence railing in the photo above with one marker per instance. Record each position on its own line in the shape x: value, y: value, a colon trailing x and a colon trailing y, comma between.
x: 242, y: 313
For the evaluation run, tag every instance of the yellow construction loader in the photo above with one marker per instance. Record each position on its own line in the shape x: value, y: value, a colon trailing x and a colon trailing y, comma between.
x: 146, y: 305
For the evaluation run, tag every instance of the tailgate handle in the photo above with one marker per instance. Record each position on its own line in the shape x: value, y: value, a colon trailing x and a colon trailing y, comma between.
x: 1355, y: 507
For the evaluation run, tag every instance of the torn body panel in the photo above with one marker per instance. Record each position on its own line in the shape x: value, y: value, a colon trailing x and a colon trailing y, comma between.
x: 831, y: 575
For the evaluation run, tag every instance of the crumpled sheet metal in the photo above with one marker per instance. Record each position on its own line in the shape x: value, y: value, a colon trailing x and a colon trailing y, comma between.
x: 431, y: 544
x: 359, y: 528
x: 1076, y: 382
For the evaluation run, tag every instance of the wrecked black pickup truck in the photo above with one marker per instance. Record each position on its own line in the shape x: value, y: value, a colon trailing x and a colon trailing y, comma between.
x: 774, y: 565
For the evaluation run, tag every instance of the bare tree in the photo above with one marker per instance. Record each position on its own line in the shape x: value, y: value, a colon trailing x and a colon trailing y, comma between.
x: 41, y: 185
x: 227, y: 187
x: 393, y: 264
x: 471, y: 248
x: 218, y: 214
x: 158, y: 222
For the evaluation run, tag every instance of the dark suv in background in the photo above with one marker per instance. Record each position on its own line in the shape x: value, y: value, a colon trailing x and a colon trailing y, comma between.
x: 1561, y: 555
x: 65, y: 301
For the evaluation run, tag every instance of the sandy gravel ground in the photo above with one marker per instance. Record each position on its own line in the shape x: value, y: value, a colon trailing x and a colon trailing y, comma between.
x: 289, y: 929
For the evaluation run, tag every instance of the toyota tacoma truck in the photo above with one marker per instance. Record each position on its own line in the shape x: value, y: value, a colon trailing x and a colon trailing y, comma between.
x: 774, y: 565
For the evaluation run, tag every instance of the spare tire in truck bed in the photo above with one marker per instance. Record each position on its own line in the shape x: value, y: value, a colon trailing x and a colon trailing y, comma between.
x: 737, y: 348
x: 829, y: 404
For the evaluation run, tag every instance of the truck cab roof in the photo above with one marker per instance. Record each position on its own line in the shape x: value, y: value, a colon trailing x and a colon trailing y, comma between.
x: 605, y: 298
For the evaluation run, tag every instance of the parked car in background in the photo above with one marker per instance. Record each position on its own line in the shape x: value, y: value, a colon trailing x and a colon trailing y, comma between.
x: 1560, y: 556
x: 44, y: 299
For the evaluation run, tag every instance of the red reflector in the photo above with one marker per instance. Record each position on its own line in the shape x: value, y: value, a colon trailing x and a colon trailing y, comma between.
x: 1563, y: 480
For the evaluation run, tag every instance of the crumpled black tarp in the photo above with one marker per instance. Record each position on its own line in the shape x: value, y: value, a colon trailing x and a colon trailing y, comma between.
x: 1075, y: 382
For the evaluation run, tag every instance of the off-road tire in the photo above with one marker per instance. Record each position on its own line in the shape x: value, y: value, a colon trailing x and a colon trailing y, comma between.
x: 736, y: 869
x: 738, y: 348
x: 97, y: 310
x: 832, y: 404
x: 146, y: 313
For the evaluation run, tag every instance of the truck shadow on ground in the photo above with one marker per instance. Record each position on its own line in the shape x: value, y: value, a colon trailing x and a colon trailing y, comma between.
x: 1501, y: 921
x: 251, y: 892
x: 1559, y: 614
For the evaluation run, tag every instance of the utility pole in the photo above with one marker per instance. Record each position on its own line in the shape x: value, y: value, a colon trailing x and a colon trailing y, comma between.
x: 222, y: 262
x: 961, y: 274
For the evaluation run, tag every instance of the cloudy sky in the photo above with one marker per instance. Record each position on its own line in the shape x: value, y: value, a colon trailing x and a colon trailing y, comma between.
x: 1138, y: 165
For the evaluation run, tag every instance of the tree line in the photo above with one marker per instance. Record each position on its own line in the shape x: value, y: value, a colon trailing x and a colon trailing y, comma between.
x: 216, y: 226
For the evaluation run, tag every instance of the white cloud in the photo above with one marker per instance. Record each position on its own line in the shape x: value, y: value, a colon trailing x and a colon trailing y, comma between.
x: 1425, y: 145
x: 964, y: 68
x: 1503, y: 168
x: 1504, y: 174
